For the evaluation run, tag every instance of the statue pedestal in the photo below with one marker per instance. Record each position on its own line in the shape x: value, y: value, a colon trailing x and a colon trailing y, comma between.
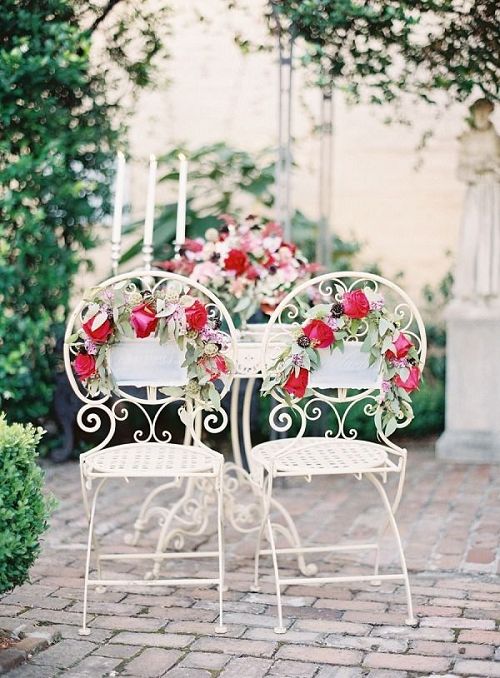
x: 472, y: 432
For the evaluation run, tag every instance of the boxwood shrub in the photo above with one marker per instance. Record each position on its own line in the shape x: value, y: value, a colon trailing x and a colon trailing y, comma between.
x: 24, y: 508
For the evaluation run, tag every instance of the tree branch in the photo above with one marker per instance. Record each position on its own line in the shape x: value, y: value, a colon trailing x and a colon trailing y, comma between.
x: 107, y: 9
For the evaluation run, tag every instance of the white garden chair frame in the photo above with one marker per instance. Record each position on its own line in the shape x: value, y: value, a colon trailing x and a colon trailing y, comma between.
x: 150, y: 454
x: 375, y: 462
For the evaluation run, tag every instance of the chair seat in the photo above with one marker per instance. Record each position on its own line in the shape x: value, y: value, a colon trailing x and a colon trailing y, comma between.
x: 151, y: 459
x: 321, y: 456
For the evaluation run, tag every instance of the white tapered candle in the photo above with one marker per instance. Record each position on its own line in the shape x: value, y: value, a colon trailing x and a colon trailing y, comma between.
x: 180, y: 232
x: 150, y: 203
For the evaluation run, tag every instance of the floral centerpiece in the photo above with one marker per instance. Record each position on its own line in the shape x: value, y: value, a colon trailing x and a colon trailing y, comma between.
x: 171, y: 314
x: 248, y: 265
x: 358, y: 315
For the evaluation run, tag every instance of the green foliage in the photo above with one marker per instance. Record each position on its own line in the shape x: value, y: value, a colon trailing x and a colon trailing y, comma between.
x: 55, y: 139
x: 376, y: 51
x: 24, y: 510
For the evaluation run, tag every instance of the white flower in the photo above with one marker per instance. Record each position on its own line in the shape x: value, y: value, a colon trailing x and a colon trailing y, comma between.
x: 212, y: 234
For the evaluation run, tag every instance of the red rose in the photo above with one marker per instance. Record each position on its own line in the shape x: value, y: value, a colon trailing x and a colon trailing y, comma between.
x: 84, y: 366
x: 100, y: 334
x: 356, y: 305
x: 412, y: 382
x: 402, y: 346
x: 297, y: 385
x: 319, y: 333
x: 196, y: 316
x: 144, y: 321
x: 236, y: 261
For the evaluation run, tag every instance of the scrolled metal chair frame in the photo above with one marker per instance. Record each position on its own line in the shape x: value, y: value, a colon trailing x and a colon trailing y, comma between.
x: 309, y: 410
x: 187, y: 517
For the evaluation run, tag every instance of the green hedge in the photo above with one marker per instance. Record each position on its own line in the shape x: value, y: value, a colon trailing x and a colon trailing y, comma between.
x: 24, y: 510
x: 55, y: 166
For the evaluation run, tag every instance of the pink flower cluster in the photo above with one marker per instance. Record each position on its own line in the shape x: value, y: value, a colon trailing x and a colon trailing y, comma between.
x: 249, y: 265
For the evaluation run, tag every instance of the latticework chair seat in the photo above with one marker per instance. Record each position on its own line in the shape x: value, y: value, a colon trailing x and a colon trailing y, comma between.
x: 321, y: 456
x: 150, y: 460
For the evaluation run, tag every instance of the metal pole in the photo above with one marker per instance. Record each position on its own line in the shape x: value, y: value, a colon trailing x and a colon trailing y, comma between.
x: 288, y: 152
x: 326, y: 159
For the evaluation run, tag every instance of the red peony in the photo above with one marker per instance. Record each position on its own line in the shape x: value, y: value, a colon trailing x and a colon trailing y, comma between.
x: 412, y: 382
x: 84, y: 366
x: 319, y: 333
x: 196, y: 316
x: 356, y: 304
x: 144, y: 321
x: 402, y: 346
x: 100, y: 334
x: 297, y: 385
x: 236, y: 261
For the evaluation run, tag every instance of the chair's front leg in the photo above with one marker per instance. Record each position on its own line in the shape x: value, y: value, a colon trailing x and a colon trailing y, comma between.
x: 220, y: 628
x: 411, y: 620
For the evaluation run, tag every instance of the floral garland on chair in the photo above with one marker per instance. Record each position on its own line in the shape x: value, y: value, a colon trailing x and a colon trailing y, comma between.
x: 171, y: 314
x: 328, y: 326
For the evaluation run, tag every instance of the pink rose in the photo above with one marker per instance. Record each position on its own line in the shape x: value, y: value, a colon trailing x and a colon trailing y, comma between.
x: 319, y: 333
x: 297, y: 385
x: 356, y: 304
x: 144, y: 321
x: 412, y: 382
x: 205, y: 272
x: 192, y: 245
x: 101, y: 334
x: 402, y: 346
x: 84, y: 366
x: 196, y: 316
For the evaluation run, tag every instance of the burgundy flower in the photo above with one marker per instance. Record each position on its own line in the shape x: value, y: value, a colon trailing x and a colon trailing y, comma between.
x: 100, y: 334
x: 297, y: 385
x: 196, y: 316
x: 85, y: 366
x: 143, y: 319
x: 319, y: 333
x: 356, y: 304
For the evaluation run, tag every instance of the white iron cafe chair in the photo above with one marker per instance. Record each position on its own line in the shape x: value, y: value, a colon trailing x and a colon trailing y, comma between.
x: 150, y: 343
x: 373, y: 361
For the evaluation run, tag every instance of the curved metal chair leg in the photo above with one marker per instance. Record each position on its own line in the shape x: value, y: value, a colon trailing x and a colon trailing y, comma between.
x: 258, y: 544
x: 385, y: 524
x: 84, y: 630
x: 220, y: 628
x: 280, y: 628
x: 411, y: 620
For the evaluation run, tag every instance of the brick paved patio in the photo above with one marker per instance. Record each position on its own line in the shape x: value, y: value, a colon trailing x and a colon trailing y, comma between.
x: 449, y: 519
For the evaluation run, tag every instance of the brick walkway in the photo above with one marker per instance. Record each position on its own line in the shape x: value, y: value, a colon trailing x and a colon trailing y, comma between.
x: 449, y: 518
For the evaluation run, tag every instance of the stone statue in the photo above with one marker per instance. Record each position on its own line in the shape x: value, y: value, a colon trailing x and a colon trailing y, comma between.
x: 477, y: 273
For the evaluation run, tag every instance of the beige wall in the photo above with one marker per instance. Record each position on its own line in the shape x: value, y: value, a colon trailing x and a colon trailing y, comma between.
x: 407, y: 219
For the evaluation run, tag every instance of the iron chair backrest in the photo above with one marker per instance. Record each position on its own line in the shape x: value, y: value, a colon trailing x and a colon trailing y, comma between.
x: 348, y: 372
x: 143, y: 363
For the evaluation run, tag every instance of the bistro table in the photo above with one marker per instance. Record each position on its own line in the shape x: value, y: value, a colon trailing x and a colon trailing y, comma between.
x: 243, y: 506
